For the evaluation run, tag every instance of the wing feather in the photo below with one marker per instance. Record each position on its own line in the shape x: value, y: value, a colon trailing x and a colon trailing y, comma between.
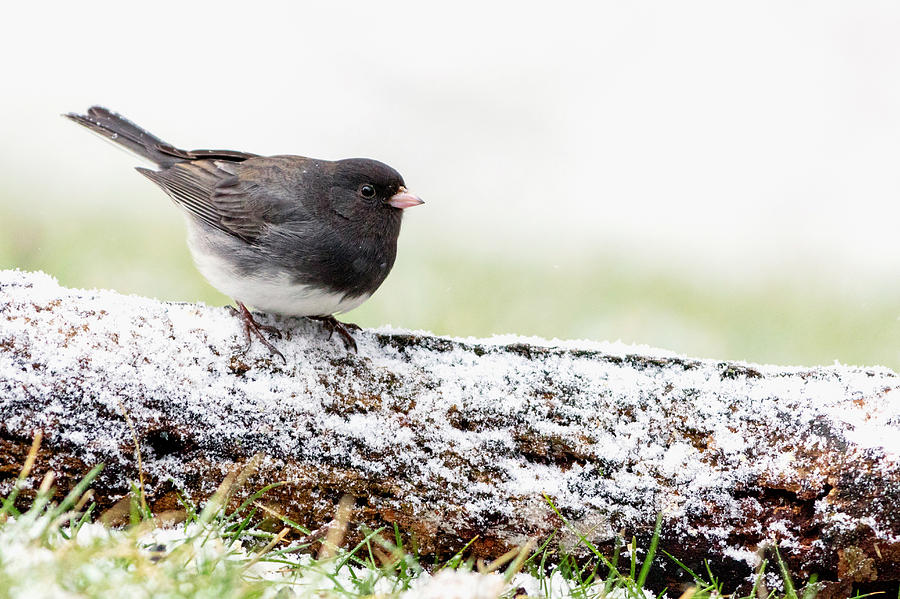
x: 244, y: 199
x: 195, y: 186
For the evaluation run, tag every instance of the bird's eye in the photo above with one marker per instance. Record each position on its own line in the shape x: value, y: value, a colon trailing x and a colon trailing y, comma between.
x: 367, y: 191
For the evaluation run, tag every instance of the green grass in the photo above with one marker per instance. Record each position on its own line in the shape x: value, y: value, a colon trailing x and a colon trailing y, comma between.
x: 789, y: 317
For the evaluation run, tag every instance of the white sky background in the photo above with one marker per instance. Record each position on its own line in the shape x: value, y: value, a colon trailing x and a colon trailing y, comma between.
x: 740, y: 137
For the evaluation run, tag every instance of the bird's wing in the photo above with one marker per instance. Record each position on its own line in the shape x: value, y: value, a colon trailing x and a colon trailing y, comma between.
x: 225, y: 195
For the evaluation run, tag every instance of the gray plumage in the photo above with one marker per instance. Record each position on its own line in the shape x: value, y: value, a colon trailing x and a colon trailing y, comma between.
x: 286, y: 234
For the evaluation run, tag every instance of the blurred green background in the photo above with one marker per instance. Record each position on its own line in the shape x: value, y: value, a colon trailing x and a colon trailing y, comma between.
x: 784, y: 317
x: 718, y: 179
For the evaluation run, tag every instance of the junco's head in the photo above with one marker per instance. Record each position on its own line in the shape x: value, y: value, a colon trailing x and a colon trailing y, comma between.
x: 364, y: 189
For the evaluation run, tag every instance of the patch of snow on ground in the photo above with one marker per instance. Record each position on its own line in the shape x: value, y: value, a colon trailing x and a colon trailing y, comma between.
x: 604, y: 429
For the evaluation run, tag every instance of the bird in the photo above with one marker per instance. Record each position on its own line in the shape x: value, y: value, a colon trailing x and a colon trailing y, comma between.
x: 286, y: 235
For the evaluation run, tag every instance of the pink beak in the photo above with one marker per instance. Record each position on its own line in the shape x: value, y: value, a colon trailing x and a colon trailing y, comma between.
x: 403, y: 199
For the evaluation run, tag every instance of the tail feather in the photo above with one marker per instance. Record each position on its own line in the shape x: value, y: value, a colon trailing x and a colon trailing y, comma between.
x: 125, y: 133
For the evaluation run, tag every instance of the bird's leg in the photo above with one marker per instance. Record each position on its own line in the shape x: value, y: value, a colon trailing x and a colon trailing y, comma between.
x: 333, y: 325
x: 251, y: 326
x: 274, y: 331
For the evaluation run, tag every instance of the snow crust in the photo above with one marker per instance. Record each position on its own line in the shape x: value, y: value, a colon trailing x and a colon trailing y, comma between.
x: 613, y: 433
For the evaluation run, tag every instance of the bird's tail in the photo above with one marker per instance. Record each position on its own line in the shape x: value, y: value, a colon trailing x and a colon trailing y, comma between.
x: 125, y: 133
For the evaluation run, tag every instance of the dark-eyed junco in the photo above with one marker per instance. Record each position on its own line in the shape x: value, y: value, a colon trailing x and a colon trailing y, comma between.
x: 287, y: 235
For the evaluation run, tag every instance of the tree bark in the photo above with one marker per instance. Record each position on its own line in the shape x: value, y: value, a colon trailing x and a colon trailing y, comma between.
x: 452, y: 440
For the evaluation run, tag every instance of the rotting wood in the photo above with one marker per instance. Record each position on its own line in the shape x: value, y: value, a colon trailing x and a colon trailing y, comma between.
x: 453, y: 439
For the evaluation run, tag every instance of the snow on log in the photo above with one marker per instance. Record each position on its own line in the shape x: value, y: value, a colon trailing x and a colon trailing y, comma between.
x: 452, y: 439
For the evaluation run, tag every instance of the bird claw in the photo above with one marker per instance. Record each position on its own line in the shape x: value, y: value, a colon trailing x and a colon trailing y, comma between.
x: 333, y: 325
x: 251, y: 327
x: 274, y: 331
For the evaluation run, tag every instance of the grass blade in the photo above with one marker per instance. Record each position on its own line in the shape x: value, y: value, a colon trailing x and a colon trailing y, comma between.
x: 651, y: 552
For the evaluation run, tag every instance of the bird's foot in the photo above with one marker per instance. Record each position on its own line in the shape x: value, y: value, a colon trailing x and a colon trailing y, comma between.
x: 333, y: 325
x: 251, y: 327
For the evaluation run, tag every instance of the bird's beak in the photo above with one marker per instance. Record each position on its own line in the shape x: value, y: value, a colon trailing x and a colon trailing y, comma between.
x: 403, y: 199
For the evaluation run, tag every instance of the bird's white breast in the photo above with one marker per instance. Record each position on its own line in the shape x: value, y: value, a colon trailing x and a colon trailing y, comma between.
x: 274, y: 292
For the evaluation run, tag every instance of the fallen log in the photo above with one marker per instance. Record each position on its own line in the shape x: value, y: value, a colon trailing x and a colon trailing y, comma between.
x: 455, y: 439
